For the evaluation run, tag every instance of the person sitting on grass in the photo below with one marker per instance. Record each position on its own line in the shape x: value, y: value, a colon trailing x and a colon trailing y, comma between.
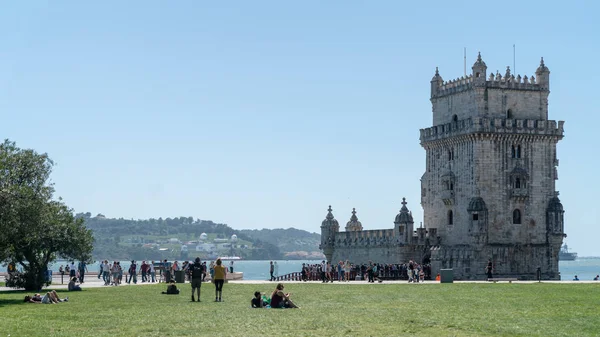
x: 171, y: 289
x: 50, y: 297
x: 597, y: 278
x: 72, y: 286
x: 279, y: 299
x: 576, y: 278
x: 257, y: 301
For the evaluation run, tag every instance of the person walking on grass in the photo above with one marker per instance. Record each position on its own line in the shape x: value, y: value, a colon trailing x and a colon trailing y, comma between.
x: 220, y: 275
x: 197, y: 270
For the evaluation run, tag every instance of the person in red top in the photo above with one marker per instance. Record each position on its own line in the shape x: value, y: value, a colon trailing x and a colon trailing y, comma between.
x: 144, y: 269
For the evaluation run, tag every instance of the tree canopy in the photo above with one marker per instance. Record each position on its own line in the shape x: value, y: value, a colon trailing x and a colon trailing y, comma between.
x: 36, y: 227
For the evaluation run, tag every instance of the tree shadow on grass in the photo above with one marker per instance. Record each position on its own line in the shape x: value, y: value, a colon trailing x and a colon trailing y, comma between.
x: 6, y: 302
x: 12, y: 301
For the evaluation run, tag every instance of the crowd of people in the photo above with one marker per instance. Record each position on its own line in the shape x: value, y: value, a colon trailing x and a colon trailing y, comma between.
x: 345, y: 271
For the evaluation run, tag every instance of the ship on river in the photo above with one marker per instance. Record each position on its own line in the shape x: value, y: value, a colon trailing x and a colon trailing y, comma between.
x: 566, y: 255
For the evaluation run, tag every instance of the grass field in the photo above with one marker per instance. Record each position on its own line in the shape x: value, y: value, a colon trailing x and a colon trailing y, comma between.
x: 326, y: 310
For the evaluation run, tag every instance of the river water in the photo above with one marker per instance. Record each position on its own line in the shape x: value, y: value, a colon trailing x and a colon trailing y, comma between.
x: 584, y: 268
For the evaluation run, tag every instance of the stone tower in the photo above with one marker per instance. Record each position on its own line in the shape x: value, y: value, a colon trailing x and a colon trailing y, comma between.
x: 489, y: 184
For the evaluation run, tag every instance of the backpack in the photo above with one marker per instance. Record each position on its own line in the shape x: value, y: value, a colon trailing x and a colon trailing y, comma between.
x: 197, y: 270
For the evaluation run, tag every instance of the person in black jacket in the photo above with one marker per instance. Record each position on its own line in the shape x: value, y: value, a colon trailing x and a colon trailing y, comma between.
x: 196, y: 273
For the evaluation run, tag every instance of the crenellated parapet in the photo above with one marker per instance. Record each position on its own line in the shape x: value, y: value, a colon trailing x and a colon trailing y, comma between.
x: 376, y: 237
x: 482, y: 125
x: 454, y: 86
x: 478, y: 79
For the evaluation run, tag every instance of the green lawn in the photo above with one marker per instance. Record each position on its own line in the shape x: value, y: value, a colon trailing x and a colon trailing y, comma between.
x: 326, y: 310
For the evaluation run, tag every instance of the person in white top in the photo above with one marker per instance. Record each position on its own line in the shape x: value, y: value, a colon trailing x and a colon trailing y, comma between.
x: 151, y: 271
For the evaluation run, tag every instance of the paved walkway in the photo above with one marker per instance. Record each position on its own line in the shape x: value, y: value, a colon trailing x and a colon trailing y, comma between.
x: 94, y: 282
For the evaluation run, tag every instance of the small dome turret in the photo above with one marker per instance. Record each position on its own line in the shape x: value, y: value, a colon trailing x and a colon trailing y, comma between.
x: 542, y: 68
x: 543, y: 75
x: 479, y: 71
x: 330, y: 220
x: 476, y: 205
x: 354, y: 225
x: 404, y: 216
x: 555, y: 205
x: 437, y: 77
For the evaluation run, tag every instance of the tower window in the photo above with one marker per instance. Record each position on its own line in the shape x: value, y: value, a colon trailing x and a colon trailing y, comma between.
x: 477, y: 75
x: 475, y: 216
x: 518, y: 183
x: 450, y: 218
x: 515, y: 151
x: 455, y: 118
x: 517, y: 217
x: 451, y: 186
x: 509, y: 114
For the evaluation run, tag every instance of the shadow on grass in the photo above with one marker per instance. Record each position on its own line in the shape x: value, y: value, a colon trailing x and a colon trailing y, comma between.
x: 11, y: 301
x: 6, y: 302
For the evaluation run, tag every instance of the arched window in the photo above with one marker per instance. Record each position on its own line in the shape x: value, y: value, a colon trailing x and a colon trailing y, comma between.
x: 518, y: 151
x: 509, y: 114
x: 475, y: 216
x: 450, y: 218
x: 517, y: 217
x: 518, y: 183
x: 513, y: 152
x: 451, y: 186
x: 455, y: 118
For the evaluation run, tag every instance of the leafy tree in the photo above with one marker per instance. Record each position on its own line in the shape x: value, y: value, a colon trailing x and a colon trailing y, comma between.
x: 36, y: 228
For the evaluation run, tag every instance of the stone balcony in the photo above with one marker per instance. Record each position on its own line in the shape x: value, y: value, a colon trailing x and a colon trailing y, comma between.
x: 447, y: 197
x: 519, y: 193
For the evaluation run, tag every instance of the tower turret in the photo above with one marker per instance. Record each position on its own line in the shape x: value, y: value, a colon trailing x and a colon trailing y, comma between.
x: 354, y: 225
x: 436, y: 82
x: 479, y: 71
x: 555, y: 216
x: 543, y: 75
x: 329, y: 227
x: 403, y: 224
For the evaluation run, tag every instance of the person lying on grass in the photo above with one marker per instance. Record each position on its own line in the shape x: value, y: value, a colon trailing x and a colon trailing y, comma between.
x: 171, y: 289
x: 50, y: 297
x: 279, y: 299
x: 72, y: 286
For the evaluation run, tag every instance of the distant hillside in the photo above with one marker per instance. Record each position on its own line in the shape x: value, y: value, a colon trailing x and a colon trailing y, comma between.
x: 172, y: 238
x: 180, y: 238
x: 293, y: 243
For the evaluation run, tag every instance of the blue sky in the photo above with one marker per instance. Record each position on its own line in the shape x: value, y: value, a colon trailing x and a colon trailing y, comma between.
x: 262, y: 113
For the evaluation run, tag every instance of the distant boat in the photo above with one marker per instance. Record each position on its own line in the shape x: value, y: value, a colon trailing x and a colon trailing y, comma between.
x: 565, y: 255
x: 228, y: 258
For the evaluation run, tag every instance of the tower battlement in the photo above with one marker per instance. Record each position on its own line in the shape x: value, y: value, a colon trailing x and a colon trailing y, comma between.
x: 496, y: 95
x: 475, y: 125
x: 494, y: 81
